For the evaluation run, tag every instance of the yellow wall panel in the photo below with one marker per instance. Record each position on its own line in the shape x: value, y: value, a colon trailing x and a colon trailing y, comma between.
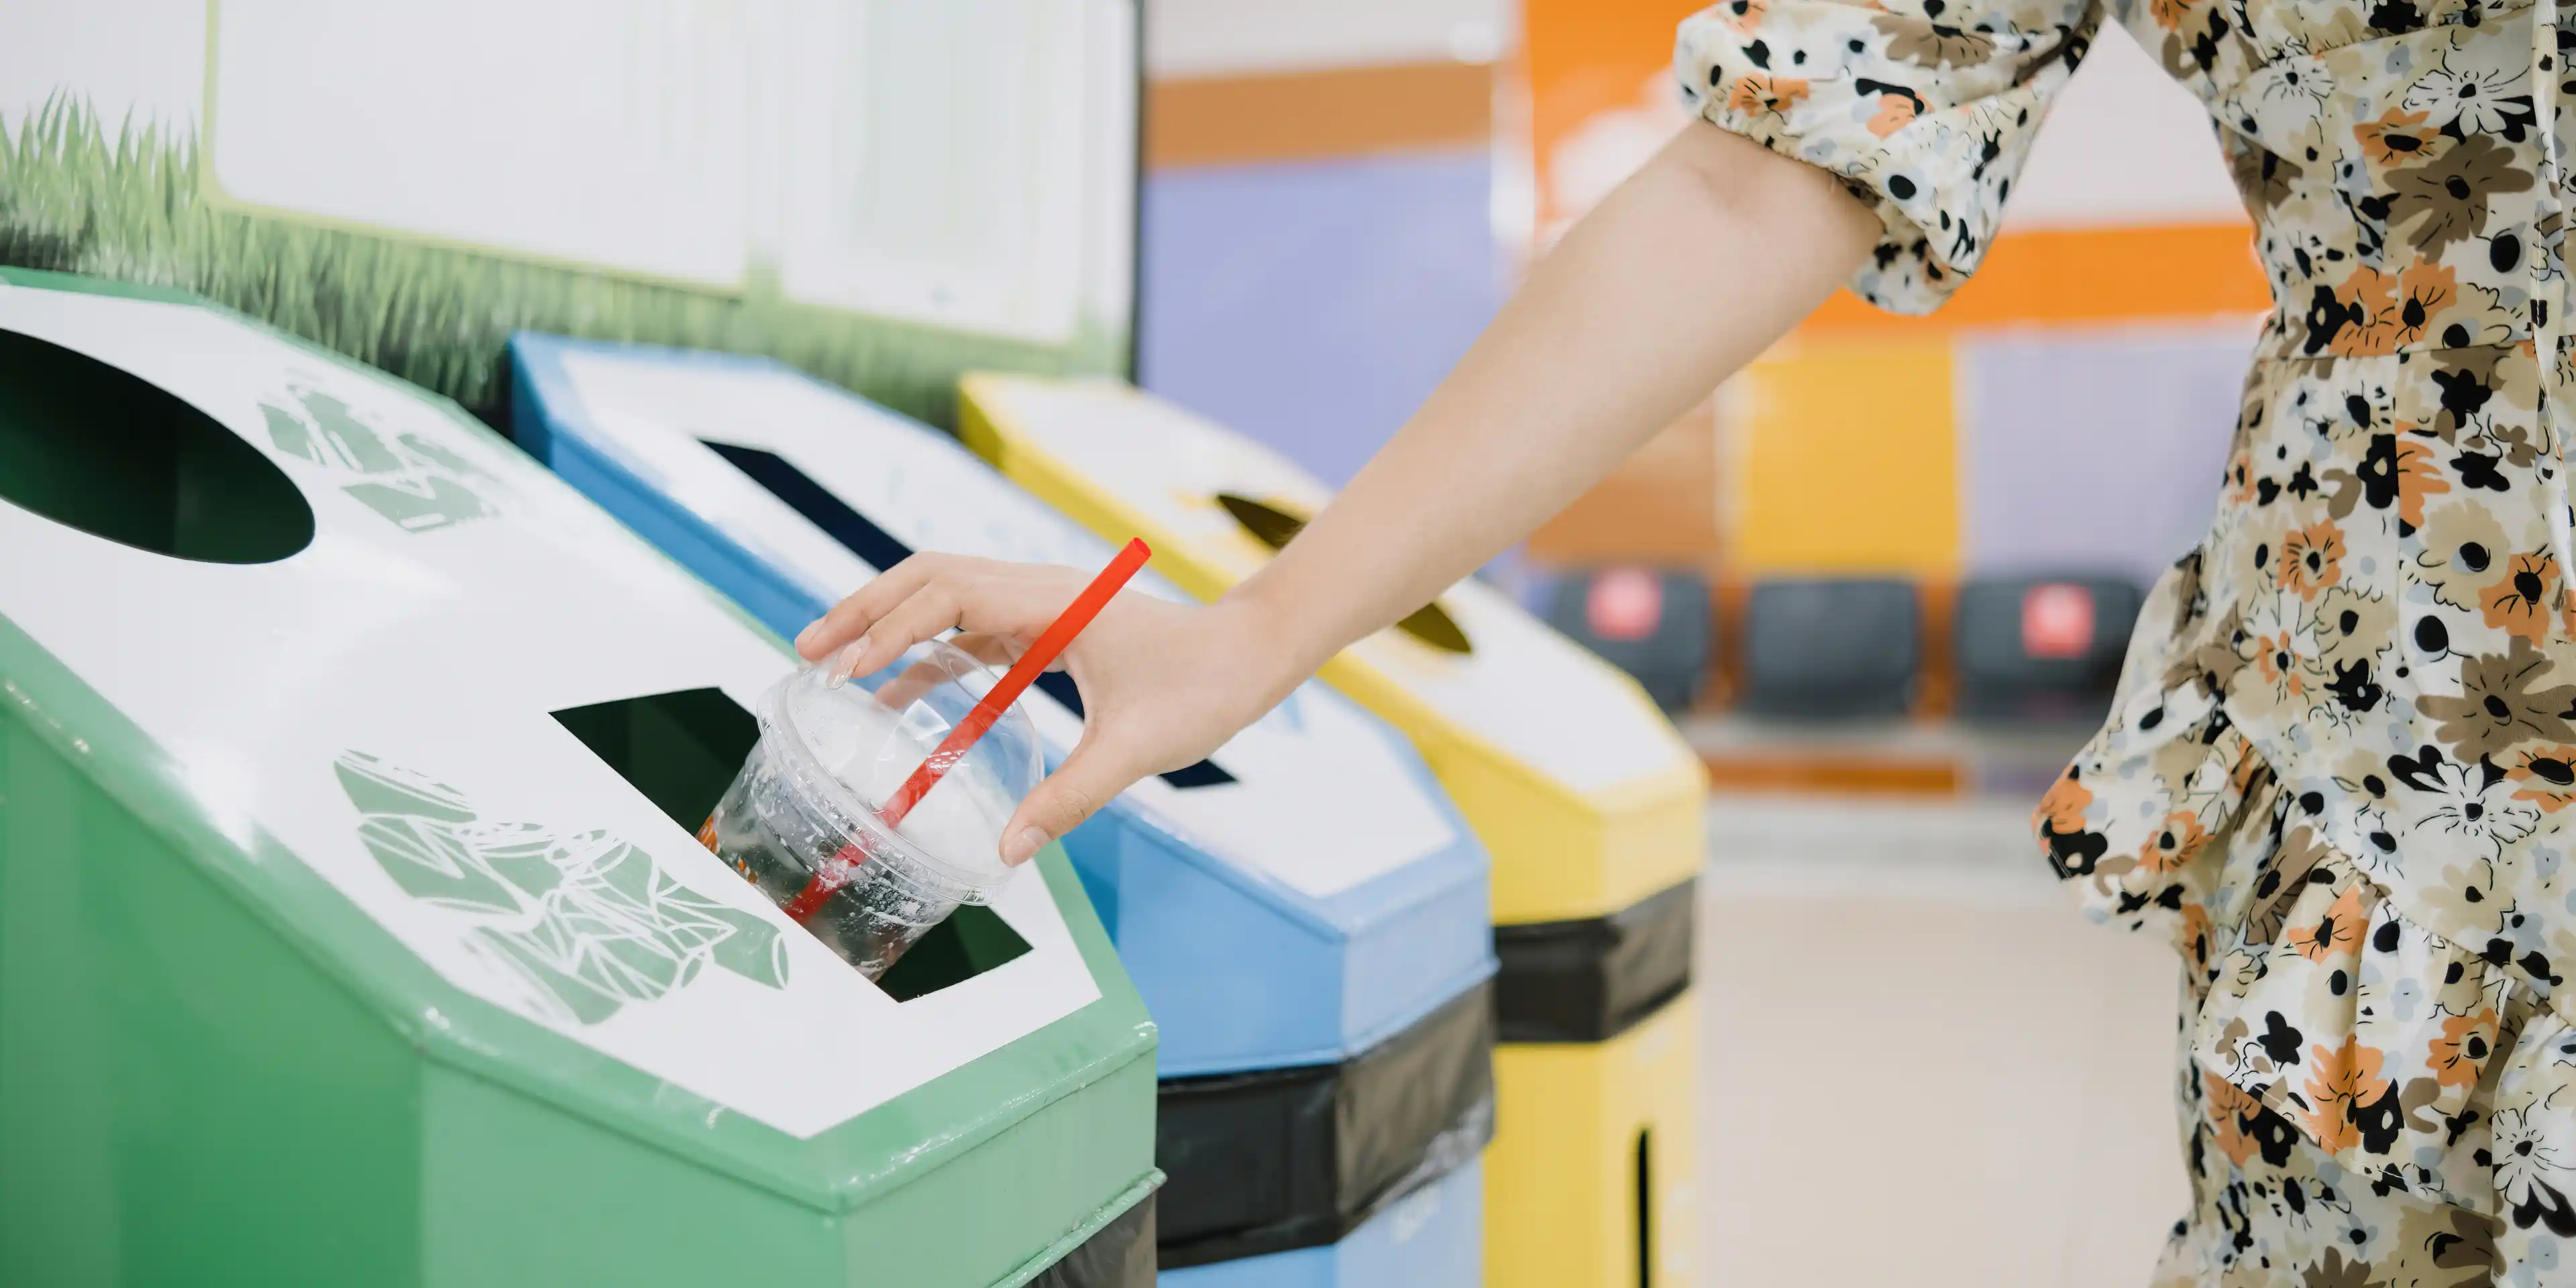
x: 1843, y: 457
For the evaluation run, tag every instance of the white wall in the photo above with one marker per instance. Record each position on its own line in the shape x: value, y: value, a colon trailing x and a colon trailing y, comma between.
x: 2124, y: 145
x: 1186, y: 38
x: 150, y: 54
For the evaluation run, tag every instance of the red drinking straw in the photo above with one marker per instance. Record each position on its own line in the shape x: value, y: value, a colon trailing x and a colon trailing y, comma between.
x: 953, y: 748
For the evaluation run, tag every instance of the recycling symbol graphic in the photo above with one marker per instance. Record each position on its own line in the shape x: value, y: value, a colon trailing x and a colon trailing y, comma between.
x: 589, y: 923
x: 411, y: 480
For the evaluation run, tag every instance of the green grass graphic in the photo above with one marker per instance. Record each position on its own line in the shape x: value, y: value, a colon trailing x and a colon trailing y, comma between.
x: 76, y: 197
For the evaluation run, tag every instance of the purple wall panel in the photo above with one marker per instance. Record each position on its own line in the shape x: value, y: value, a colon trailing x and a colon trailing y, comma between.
x: 1313, y: 304
x: 2095, y: 450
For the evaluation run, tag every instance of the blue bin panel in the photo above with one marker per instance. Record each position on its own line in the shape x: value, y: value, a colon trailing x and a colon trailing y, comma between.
x: 1432, y: 1238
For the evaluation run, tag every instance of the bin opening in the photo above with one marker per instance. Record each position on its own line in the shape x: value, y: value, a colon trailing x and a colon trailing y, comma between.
x: 879, y: 549
x: 1274, y: 527
x: 1645, y: 1201
x: 682, y: 749
x: 972, y: 941
x: 97, y: 448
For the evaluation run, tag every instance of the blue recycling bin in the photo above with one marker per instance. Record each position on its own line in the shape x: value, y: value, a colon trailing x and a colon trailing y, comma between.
x: 1304, y: 912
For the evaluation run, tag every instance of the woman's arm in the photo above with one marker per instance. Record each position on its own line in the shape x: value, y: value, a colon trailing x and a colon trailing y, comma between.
x: 1691, y: 268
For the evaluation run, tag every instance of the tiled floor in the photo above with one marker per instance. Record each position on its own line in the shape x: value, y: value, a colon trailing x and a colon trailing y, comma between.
x: 1920, y: 1065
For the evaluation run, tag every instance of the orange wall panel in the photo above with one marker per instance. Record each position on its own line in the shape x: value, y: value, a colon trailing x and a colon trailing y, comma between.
x: 1581, y: 58
x: 1659, y: 506
x: 1328, y: 112
x: 2057, y: 277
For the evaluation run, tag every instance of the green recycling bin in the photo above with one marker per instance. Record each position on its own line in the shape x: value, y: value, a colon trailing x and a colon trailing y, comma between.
x: 351, y: 926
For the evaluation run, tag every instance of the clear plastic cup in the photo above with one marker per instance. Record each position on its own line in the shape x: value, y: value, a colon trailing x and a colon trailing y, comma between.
x: 804, y: 807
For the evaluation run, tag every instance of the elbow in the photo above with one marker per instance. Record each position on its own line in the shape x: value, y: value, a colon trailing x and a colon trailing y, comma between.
x: 1745, y: 184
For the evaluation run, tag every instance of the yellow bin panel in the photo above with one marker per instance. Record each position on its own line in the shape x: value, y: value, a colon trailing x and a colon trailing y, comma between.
x: 1591, y: 1166
x: 1582, y: 792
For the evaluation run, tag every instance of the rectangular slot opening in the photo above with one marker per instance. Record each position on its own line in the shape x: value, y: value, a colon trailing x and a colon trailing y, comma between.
x: 880, y: 550
x: 1645, y: 1200
x: 682, y: 750
x: 972, y: 941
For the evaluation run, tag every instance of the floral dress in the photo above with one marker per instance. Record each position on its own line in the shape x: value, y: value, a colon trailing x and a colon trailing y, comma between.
x: 2339, y: 768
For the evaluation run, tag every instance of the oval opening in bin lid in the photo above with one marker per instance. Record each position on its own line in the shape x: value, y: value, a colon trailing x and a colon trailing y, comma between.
x: 1273, y: 526
x: 1586, y: 795
x: 1305, y: 892
x: 94, y: 447
x: 359, y: 742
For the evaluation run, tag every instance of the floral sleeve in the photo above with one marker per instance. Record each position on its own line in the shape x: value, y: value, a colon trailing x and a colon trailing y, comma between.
x: 1924, y: 107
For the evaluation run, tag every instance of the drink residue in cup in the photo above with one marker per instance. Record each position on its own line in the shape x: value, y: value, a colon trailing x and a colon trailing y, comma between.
x: 780, y: 842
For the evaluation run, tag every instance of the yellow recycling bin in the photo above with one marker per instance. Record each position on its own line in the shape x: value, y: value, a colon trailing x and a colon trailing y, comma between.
x: 1586, y: 797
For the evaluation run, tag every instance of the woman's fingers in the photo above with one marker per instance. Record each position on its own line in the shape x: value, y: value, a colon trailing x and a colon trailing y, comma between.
x: 1151, y: 668
x: 1015, y: 601
x: 917, y: 679
x: 855, y: 614
x: 931, y: 610
x: 1087, y: 780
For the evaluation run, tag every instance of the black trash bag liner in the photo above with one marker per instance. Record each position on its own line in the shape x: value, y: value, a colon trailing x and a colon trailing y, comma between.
x: 1117, y: 1255
x: 1592, y: 979
x: 1280, y: 1159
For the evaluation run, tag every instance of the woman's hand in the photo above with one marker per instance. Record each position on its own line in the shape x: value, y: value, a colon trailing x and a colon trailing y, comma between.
x: 1163, y: 684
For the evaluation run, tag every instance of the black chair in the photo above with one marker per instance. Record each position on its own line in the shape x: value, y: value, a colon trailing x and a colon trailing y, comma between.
x: 2039, y: 648
x: 1831, y: 648
x: 1655, y: 624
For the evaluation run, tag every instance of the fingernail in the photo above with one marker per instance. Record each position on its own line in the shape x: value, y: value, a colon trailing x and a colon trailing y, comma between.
x: 844, y: 664
x: 1023, y: 843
